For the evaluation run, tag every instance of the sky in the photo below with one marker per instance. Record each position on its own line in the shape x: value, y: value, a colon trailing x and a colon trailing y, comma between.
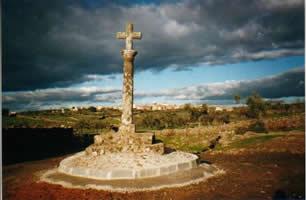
x: 64, y: 53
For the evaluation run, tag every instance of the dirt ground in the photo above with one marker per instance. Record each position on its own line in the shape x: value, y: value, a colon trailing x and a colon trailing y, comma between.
x: 274, y: 169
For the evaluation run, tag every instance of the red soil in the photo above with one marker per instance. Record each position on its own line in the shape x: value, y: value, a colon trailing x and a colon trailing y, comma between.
x: 275, y: 170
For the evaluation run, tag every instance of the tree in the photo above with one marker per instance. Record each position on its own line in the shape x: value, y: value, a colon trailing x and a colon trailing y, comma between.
x: 237, y: 98
x: 204, y: 109
x: 187, y: 107
x: 256, y: 105
x: 92, y: 109
x: 82, y: 124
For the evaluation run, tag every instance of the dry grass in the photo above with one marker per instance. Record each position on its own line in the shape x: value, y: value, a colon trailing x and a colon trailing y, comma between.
x: 200, y: 138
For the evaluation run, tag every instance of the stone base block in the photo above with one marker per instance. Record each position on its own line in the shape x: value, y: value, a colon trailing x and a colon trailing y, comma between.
x: 158, y: 148
x: 145, y: 138
x: 123, y: 129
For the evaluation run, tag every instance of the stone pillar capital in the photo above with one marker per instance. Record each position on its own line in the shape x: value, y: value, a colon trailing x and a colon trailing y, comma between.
x: 128, y: 55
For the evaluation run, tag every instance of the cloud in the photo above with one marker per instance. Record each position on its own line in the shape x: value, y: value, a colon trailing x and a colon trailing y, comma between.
x: 290, y: 83
x: 96, y: 77
x: 58, y: 43
x: 58, y: 97
x: 287, y: 84
x: 240, y: 54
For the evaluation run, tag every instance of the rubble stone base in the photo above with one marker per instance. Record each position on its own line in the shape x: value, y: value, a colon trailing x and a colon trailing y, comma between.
x: 125, y: 142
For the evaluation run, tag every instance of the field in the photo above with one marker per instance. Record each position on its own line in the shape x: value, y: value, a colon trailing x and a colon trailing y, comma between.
x: 188, y: 129
x: 263, y: 156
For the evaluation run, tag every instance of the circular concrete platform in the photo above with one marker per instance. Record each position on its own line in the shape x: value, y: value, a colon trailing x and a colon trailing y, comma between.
x: 126, y: 165
x: 178, y: 179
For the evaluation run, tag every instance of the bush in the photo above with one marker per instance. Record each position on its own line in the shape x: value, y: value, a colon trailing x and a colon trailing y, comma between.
x: 258, y: 127
x: 152, y: 123
x: 82, y: 124
x: 241, y: 130
x: 196, y: 114
x: 237, y: 98
x: 206, y: 119
x: 256, y: 106
x: 286, y: 123
x: 204, y: 109
x: 92, y: 109
x: 160, y: 120
x: 221, y: 118
x: 225, y: 118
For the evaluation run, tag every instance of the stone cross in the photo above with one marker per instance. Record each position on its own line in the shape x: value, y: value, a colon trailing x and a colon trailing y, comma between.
x: 128, y: 55
x: 128, y: 36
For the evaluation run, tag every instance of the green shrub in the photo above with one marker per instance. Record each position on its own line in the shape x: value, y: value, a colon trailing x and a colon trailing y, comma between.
x: 258, y: 127
x: 92, y: 109
x: 206, y: 119
x: 256, y: 106
x: 160, y: 120
x: 237, y: 98
x: 225, y: 118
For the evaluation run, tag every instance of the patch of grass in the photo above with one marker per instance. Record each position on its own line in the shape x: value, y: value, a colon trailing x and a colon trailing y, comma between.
x: 20, y: 121
x: 182, y: 143
x: 219, y: 147
x: 195, y: 148
x: 251, y: 141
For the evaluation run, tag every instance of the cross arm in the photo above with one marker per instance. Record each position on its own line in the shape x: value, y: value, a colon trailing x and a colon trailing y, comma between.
x: 137, y: 35
x: 121, y: 35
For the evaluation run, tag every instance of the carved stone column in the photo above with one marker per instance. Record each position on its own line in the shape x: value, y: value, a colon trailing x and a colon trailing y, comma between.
x: 127, y: 125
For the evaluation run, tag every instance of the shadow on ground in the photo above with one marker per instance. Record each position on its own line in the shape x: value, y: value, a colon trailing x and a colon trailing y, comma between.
x: 28, y: 144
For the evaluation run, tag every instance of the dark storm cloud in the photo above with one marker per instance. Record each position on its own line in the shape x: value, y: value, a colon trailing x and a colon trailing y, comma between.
x: 287, y: 84
x: 57, y: 43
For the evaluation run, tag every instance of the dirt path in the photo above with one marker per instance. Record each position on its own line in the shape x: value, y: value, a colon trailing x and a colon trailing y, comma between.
x: 274, y: 169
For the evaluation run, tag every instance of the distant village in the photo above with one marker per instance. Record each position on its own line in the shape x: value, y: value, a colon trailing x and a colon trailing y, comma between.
x: 143, y: 107
x: 159, y: 106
